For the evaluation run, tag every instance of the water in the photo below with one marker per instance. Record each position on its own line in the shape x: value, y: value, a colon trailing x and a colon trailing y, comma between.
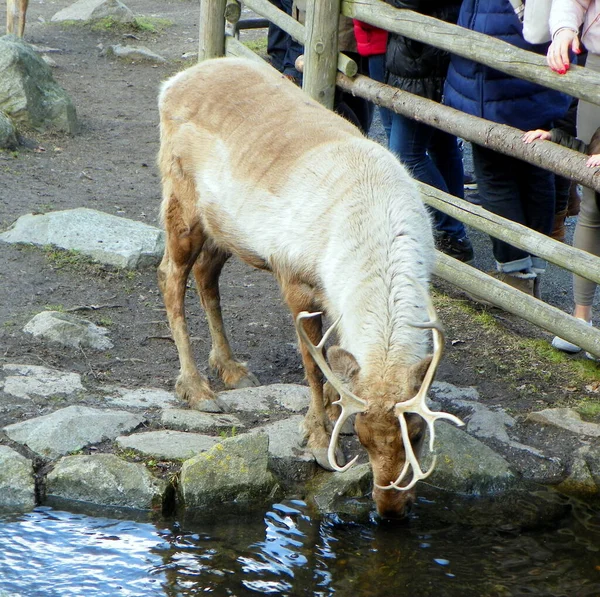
x: 446, y: 549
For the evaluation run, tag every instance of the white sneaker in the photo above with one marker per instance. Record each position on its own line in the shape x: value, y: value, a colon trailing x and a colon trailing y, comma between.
x: 566, y: 346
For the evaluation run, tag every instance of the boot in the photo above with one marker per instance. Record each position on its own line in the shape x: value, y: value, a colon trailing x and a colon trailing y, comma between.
x: 558, y: 230
x: 574, y: 200
x: 523, y: 281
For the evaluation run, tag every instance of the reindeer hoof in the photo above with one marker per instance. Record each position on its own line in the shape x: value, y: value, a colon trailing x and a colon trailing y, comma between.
x: 197, y: 393
x: 248, y: 381
x: 320, y: 455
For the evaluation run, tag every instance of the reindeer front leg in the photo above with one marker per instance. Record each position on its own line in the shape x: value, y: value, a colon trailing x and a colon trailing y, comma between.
x: 317, y: 427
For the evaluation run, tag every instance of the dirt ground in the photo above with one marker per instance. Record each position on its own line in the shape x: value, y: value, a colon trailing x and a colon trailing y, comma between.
x: 110, y: 166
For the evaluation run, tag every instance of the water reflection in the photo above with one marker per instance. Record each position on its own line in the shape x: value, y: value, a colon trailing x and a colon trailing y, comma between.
x: 446, y: 549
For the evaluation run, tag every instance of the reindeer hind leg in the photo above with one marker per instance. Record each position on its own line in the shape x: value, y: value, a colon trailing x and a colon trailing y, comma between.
x: 184, y: 241
x: 207, y: 269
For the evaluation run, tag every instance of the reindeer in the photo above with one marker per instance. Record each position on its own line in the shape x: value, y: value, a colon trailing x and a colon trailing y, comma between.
x: 253, y: 167
x: 15, y: 13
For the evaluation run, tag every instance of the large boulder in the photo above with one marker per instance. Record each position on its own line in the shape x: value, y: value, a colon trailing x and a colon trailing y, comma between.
x: 8, y: 134
x: 17, y: 485
x: 29, y: 95
x: 234, y: 472
x: 106, y: 480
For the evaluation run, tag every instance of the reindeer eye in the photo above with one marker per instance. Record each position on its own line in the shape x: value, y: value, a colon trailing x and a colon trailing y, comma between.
x: 418, y: 437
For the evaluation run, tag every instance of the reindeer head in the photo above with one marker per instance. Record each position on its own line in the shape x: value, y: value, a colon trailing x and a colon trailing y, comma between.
x: 391, y: 415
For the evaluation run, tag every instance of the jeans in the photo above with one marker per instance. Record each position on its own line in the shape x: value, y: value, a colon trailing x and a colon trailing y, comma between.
x: 432, y: 157
x: 517, y: 191
x: 281, y: 47
x: 377, y: 73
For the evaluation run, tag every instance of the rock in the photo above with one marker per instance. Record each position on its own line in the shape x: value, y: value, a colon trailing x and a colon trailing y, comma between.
x: 137, y: 53
x: 464, y: 464
x: 32, y: 380
x: 68, y: 330
x: 29, y: 95
x: 8, y: 133
x: 105, y: 480
x: 565, y: 418
x: 191, y: 420
x: 580, y: 482
x: 288, y: 459
x: 233, y: 472
x: 345, y: 493
x: 105, y: 238
x: 17, y: 485
x: 71, y: 429
x: 167, y: 445
x: 139, y: 398
x: 264, y: 398
x: 93, y: 10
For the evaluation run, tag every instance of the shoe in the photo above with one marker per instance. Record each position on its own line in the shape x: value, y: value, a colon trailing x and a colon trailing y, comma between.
x: 567, y: 346
x: 558, y: 230
x: 459, y: 248
x: 574, y: 200
x: 523, y: 281
x: 469, y: 182
x: 474, y: 197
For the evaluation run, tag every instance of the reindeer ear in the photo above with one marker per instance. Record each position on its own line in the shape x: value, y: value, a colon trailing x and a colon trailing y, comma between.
x: 343, y: 364
x: 420, y: 369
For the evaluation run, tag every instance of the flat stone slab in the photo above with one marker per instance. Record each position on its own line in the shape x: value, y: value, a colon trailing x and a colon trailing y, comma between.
x: 103, y: 237
x: 167, y: 445
x: 105, y: 480
x: 25, y: 381
x: 140, y: 397
x: 135, y: 53
x: 290, y: 397
x: 191, y: 420
x: 70, y: 429
x: 17, y: 485
x: 68, y: 330
x: 565, y: 418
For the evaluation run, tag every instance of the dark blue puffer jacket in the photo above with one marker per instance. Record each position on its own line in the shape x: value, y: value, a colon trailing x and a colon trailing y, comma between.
x: 482, y: 91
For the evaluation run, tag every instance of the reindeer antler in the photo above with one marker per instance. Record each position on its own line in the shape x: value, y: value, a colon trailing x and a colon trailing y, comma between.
x: 418, y: 405
x: 348, y: 402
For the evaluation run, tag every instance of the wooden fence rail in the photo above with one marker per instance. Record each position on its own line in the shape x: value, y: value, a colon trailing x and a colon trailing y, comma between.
x: 489, y: 51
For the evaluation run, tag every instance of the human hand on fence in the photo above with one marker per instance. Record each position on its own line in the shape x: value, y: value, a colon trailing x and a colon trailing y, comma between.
x: 558, y: 53
x: 593, y: 161
x: 530, y: 136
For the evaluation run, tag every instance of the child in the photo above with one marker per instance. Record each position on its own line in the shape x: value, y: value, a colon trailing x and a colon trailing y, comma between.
x: 559, y: 136
x: 586, y: 234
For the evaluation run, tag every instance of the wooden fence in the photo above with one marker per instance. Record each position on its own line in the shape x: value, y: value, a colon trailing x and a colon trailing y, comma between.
x: 325, y: 67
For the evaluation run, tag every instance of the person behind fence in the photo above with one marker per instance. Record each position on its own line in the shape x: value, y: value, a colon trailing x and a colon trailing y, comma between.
x: 372, y: 43
x: 357, y: 110
x: 566, y: 19
x: 282, y: 48
x: 431, y: 155
x: 508, y: 187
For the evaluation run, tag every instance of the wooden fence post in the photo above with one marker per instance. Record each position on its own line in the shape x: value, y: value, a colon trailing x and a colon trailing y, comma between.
x: 211, y: 29
x: 321, y: 50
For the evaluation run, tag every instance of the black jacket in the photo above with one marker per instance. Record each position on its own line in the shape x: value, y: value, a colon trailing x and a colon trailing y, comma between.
x: 416, y: 67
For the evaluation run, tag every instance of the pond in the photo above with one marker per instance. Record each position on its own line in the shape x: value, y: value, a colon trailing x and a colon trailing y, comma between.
x: 448, y: 547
